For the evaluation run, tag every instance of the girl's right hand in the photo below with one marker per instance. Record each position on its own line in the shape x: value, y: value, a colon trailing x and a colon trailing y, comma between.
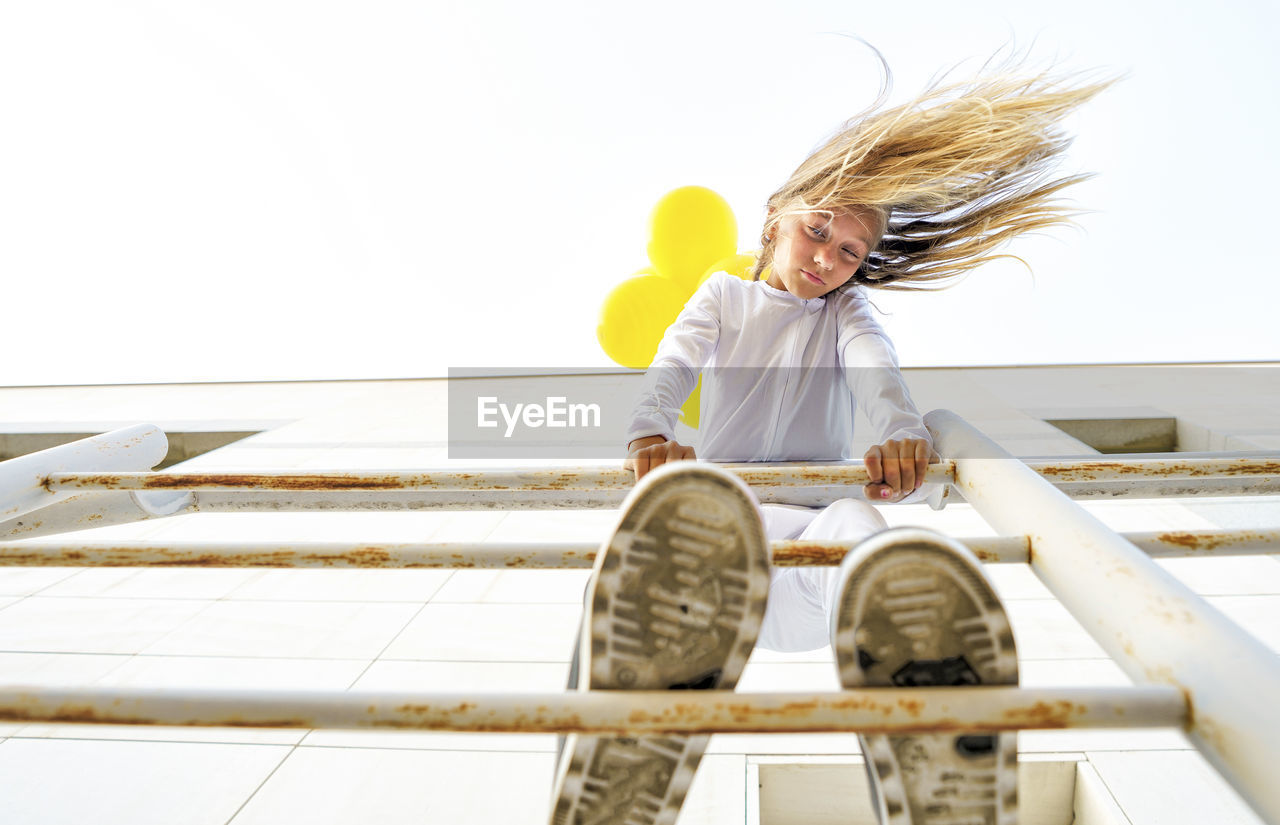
x: 644, y: 454
x: 896, y: 468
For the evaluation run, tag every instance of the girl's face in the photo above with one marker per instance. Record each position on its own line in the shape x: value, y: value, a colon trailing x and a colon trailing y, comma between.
x: 816, y: 253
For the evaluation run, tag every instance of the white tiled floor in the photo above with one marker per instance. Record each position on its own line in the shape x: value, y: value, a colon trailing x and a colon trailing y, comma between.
x: 515, y: 587
x: 1256, y: 614
x: 23, y: 581
x: 57, y: 669
x: 129, y: 783
x: 1044, y: 629
x: 489, y: 632
x: 126, y: 583
x: 1179, y: 786
x: 343, y: 586
x: 92, y: 625
x: 340, y: 786
x: 433, y: 630
x: 330, y: 630
x: 1241, y: 575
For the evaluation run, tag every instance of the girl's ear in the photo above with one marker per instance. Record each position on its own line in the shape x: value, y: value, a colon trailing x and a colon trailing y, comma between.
x: 767, y: 236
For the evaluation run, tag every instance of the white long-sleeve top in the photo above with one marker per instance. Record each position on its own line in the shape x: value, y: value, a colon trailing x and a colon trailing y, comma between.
x: 782, y: 376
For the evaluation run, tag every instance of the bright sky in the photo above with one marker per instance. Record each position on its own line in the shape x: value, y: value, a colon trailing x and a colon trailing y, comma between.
x: 263, y: 189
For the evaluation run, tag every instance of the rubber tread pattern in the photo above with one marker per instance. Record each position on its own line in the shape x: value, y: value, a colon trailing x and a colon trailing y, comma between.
x: 917, y: 606
x: 676, y: 601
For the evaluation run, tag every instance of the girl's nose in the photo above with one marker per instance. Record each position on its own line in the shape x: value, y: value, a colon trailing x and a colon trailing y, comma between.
x: 822, y: 257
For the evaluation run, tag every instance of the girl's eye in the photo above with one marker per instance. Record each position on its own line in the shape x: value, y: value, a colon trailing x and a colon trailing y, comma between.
x: 816, y: 232
x: 852, y: 254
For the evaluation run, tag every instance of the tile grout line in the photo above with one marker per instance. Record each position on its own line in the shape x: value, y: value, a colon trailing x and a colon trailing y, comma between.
x: 292, y: 749
x: 1106, y: 788
x: 138, y: 654
x: 378, y: 656
x: 22, y: 597
x: 375, y: 658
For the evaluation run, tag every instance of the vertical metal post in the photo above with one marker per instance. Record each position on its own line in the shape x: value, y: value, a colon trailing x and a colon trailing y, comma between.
x: 22, y: 479
x: 1151, y: 624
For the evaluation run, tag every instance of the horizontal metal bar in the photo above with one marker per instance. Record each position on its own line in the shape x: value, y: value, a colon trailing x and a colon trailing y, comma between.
x: 880, y: 710
x: 550, y: 480
x: 1217, y: 486
x: 217, y: 501
x: 1172, y: 544
x: 1128, y: 469
x: 534, y: 555
x: 332, y: 554
x: 262, y: 501
x: 214, y: 501
x: 613, y: 478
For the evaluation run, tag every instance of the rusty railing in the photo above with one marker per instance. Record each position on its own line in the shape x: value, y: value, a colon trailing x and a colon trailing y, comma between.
x: 1195, y: 669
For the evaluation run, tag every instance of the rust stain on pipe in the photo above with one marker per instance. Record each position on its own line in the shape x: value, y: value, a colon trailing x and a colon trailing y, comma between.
x: 911, y: 707
x: 1087, y: 470
x: 1209, y: 540
x: 875, y: 714
x: 808, y: 553
x: 85, y: 714
x: 1045, y: 714
x: 299, y: 482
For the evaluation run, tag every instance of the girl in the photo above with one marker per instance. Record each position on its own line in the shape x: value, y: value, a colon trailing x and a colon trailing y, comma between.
x: 907, y: 197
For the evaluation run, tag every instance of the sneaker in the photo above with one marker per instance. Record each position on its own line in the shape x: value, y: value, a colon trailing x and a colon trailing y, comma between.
x: 675, y: 603
x: 916, y: 610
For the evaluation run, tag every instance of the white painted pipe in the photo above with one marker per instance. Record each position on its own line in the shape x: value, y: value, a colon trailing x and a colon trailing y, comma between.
x: 24, y: 481
x: 597, y: 479
x: 555, y: 480
x: 622, y: 713
x: 88, y: 510
x: 1154, y: 626
x: 531, y: 555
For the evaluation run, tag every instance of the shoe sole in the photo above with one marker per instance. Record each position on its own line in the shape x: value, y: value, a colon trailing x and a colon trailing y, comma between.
x: 917, y: 611
x: 677, y: 597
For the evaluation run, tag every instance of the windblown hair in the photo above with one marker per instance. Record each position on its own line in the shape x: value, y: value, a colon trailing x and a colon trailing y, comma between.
x: 954, y: 174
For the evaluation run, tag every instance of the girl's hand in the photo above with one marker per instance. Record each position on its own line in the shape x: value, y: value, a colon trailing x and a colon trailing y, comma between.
x: 644, y: 454
x: 896, y: 468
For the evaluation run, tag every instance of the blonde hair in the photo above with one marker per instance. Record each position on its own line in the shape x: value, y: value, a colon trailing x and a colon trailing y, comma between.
x: 954, y: 174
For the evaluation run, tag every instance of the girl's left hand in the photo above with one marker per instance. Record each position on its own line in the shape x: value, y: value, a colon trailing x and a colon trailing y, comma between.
x: 896, y: 468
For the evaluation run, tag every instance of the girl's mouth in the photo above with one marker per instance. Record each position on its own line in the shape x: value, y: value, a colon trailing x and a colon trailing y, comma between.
x: 814, y: 278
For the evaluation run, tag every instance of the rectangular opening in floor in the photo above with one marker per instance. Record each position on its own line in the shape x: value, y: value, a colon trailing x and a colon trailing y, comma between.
x: 818, y: 791
x: 183, y: 444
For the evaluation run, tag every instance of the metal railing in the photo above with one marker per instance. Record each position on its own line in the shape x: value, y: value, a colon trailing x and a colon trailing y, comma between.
x: 1195, y: 669
x: 882, y: 710
x: 541, y: 555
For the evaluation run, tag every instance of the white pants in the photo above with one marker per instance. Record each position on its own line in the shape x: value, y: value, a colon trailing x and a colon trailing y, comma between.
x: 798, y: 616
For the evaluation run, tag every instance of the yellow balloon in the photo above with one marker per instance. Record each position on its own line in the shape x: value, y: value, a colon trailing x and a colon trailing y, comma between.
x: 689, y: 229
x: 740, y: 265
x: 635, y: 315
x: 689, y: 412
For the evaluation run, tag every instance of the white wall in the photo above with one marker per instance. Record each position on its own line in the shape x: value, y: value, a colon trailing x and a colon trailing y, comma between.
x: 273, y: 189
